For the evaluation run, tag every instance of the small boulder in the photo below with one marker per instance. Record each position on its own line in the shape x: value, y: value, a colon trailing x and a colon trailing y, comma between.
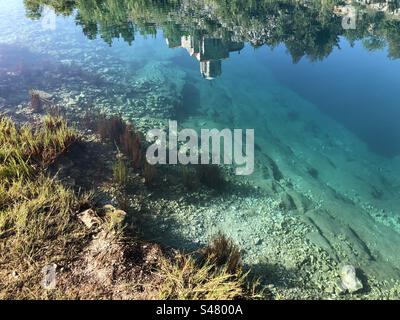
x: 108, y: 208
x: 114, y: 216
x: 350, y: 282
x: 117, y: 217
x: 49, y: 277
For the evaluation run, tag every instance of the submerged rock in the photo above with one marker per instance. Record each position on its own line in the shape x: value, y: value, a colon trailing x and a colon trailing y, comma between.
x: 350, y: 282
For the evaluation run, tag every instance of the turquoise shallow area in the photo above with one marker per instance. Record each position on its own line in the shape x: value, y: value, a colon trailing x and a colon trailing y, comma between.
x: 327, y: 130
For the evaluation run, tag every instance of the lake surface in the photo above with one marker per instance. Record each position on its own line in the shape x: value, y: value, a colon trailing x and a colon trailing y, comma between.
x: 323, y: 100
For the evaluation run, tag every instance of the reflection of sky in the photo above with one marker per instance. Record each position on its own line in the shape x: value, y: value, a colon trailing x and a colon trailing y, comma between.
x: 357, y: 87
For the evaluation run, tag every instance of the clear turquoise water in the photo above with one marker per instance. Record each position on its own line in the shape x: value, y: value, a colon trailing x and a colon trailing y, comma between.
x: 330, y: 125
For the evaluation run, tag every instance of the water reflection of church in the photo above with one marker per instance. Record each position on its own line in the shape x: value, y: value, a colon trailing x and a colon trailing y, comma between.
x: 208, y: 51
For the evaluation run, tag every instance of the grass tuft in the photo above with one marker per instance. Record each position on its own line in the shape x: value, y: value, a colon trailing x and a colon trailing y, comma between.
x: 184, y: 279
x: 40, y: 215
x: 217, y: 276
x: 223, y: 253
x: 38, y: 223
x: 23, y: 149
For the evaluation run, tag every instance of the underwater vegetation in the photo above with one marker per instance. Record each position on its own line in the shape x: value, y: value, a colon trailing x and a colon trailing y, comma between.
x: 114, y: 129
x: 121, y: 172
x: 149, y: 174
x: 129, y: 142
x: 36, y: 103
x: 189, y: 178
x: 193, y: 177
x: 132, y: 146
x: 39, y: 99
x: 110, y: 128
x: 211, y: 176
x: 223, y: 252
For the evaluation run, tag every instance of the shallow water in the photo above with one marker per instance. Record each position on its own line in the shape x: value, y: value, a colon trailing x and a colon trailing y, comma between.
x: 323, y: 102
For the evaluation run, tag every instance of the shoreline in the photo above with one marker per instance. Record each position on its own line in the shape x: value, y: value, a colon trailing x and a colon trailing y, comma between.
x: 294, y: 268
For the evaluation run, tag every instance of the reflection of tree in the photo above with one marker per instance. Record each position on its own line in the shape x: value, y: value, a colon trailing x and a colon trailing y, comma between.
x: 392, y: 34
x: 306, y: 28
x: 107, y: 19
x: 308, y: 32
x: 35, y: 7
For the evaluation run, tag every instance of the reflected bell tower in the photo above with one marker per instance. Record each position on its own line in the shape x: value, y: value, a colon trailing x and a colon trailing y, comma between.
x: 210, y: 52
